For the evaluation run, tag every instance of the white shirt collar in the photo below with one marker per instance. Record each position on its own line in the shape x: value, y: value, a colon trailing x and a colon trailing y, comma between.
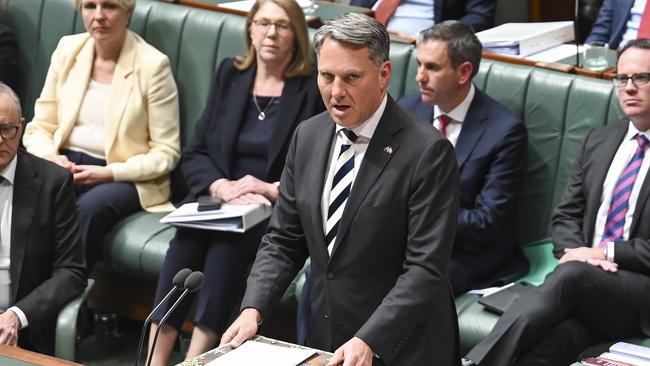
x: 368, y: 127
x: 9, y: 172
x: 632, y: 131
x: 459, y: 113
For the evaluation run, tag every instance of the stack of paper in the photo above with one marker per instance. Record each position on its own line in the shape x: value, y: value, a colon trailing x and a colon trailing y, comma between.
x: 525, y: 38
x: 257, y: 353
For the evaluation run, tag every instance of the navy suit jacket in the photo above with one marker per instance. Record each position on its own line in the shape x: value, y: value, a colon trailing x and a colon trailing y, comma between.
x: 210, y: 155
x: 610, y: 25
x: 491, y: 152
x: 478, y: 14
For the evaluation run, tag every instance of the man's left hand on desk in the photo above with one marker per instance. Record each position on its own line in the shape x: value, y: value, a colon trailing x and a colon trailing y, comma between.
x: 354, y: 352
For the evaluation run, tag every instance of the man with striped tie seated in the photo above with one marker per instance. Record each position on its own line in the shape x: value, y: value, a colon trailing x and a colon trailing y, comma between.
x: 371, y: 195
x: 601, y: 232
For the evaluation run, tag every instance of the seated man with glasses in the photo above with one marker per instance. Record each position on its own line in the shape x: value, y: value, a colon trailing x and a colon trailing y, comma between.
x: 599, y: 291
x: 42, y: 264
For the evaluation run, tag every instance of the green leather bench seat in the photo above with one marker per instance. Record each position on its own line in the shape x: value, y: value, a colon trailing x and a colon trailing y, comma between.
x: 558, y: 110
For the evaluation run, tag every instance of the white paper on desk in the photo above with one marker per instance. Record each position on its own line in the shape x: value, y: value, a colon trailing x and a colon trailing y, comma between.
x: 257, y: 353
x: 557, y: 53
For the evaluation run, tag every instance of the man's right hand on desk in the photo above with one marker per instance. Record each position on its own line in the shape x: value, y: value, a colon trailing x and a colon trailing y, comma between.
x: 243, y: 328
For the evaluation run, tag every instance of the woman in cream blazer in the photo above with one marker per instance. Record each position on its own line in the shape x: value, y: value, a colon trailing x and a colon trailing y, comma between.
x: 110, y: 87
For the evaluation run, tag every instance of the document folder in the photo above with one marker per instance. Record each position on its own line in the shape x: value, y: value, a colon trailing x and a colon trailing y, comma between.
x: 235, y: 218
x: 499, y: 301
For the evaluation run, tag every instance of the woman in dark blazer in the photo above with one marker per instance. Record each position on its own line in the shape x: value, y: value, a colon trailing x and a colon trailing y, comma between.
x: 237, y: 154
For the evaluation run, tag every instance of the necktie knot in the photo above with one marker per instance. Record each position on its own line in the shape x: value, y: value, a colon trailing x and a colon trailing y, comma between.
x: 350, y: 135
x: 642, y: 141
x: 444, y: 122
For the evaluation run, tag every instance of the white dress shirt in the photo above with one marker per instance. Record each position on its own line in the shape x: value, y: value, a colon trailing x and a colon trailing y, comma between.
x: 364, y: 133
x: 623, y: 156
x: 6, y: 210
x: 456, y: 115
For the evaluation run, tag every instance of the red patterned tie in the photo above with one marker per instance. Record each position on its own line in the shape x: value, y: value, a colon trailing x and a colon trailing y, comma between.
x: 644, y: 27
x: 444, y: 122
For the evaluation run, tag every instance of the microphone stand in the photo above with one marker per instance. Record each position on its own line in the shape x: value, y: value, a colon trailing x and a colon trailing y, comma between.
x: 148, y: 320
x: 162, y: 321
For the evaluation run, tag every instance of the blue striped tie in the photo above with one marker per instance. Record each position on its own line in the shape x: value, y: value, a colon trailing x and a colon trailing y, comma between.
x: 341, y: 185
x: 620, y: 197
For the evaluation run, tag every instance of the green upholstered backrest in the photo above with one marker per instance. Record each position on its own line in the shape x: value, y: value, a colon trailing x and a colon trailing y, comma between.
x: 400, y: 56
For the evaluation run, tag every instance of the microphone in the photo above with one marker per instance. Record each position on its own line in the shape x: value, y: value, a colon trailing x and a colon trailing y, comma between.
x: 576, y: 31
x: 179, y: 283
x: 192, y: 284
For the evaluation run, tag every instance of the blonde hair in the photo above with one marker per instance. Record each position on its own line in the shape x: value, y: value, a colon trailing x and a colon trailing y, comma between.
x: 127, y: 5
x: 300, y: 64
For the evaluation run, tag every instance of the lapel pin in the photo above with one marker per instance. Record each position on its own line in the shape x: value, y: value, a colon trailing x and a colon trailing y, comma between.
x: 388, y: 150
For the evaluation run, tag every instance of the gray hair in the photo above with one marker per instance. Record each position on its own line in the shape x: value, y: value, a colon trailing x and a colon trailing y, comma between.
x: 5, y: 89
x: 462, y: 43
x: 358, y: 30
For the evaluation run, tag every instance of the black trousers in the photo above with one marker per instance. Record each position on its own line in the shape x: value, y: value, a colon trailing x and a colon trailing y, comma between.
x: 223, y: 258
x: 100, y: 207
x: 576, y: 306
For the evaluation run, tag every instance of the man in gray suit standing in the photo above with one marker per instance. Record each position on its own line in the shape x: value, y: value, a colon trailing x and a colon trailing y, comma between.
x: 599, y: 291
x: 371, y: 195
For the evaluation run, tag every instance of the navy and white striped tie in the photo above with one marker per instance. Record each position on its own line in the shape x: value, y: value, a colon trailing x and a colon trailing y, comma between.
x: 341, y: 185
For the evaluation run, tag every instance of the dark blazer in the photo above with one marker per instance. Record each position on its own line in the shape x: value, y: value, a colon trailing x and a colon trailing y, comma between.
x: 386, y: 280
x: 8, y: 56
x: 573, y: 222
x: 491, y: 152
x: 611, y: 22
x: 210, y: 155
x: 478, y: 14
x: 47, y: 260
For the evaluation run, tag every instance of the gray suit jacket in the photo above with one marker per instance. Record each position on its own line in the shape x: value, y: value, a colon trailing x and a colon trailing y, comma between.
x: 574, y: 219
x: 386, y: 281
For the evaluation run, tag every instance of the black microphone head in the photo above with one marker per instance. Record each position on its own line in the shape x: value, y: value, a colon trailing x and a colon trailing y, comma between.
x: 181, y: 277
x: 194, y: 281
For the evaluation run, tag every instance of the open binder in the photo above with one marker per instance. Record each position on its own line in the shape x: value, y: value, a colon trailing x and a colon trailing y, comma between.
x: 235, y: 218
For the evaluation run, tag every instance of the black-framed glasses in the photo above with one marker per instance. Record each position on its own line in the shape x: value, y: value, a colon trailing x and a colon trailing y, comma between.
x: 264, y: 25
x: 638, y: 79
x: 9, y: 131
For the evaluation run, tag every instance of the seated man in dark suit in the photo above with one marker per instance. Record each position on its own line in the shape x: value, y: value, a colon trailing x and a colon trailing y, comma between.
x: 412, y: 16
x: 8, y: 56
x: 618, y: 22
x: 41, y: 258
x: 599, y: 291
x: 491, y: 149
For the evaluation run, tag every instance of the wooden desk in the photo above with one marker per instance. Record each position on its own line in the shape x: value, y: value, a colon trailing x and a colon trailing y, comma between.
x: 14, y: 356
x: 558, y: 66
x: 317, y: 360
x: 325, y: 11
